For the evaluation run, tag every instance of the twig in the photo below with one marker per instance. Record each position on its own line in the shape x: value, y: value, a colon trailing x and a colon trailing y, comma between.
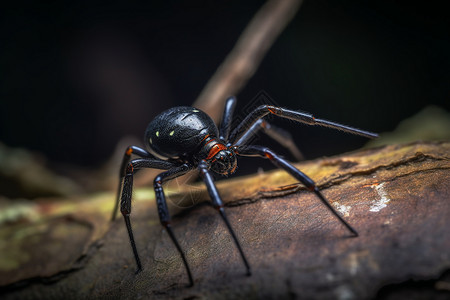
x: 243, y: 61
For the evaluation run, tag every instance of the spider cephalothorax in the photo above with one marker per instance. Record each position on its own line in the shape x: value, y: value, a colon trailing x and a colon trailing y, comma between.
x: 184, y: 138
x: 223, y: 162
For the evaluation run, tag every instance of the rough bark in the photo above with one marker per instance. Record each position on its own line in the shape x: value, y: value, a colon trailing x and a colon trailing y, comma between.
x: 397, y: 197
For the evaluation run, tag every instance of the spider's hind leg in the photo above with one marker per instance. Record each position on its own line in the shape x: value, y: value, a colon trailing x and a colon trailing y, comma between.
x: 131, y: 150
x: 296, y: 173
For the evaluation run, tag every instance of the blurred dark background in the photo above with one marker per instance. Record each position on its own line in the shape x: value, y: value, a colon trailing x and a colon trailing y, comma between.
x: 76, y: 77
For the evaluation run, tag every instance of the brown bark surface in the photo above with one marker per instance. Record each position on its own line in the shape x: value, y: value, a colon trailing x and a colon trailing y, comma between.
x: 397, y: 197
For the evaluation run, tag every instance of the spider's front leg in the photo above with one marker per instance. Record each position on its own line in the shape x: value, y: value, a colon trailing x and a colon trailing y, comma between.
x: 281, y: 136
x: 163, y: 211
x: 227, y: 118
x: 218, y: 204
x: 296, y: 173
x: 302, y: 117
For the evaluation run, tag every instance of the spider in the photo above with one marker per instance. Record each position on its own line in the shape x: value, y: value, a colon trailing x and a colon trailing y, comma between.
x: 184, y: 138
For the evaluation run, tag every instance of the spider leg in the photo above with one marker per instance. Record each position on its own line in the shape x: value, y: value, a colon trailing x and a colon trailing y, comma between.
x: 163, y: 211
x: 218, y: 204
x: 303, y: 178
x: 123, y: 167
x: 225, y: 126
x: 127, y: 191
x: 280, y: 135
x: 297, y: 116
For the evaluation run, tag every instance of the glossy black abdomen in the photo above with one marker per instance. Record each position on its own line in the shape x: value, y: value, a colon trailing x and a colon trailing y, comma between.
x: 178, y: 131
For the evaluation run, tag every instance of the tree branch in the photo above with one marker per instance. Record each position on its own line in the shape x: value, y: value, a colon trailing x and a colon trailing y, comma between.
x: 395, y: 196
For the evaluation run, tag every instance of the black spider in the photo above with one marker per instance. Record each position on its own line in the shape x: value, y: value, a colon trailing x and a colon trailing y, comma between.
x: 184, y: 138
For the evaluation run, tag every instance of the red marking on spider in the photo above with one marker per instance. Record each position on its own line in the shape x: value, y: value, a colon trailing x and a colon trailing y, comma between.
x: 215, y: 149
x: 268, y: 155
x: 272, y: 110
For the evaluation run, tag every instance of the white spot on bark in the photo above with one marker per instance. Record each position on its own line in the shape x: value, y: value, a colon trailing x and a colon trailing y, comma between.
x: 343, y: 209
x: 381, y: 203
